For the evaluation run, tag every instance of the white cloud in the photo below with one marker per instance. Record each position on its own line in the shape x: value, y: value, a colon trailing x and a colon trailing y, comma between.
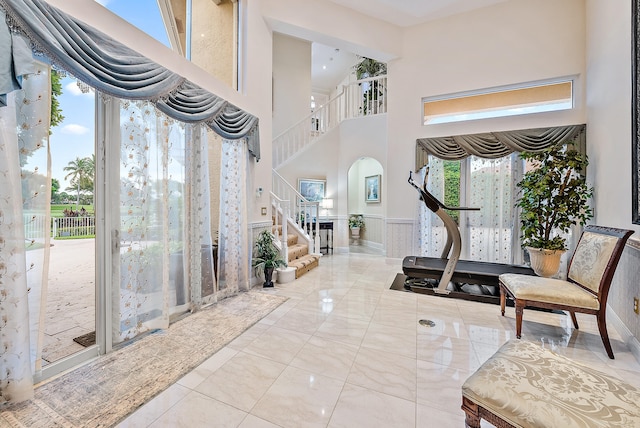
x: 74, y: 129
x: 73, y: 89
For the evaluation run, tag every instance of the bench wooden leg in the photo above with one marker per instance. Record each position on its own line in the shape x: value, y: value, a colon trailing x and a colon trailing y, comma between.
x: 503, y: 299
x: 472, y: 417
x: 519, y: 310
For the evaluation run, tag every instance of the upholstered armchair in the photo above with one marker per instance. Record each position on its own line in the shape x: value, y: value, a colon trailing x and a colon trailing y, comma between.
x: 587, y: 286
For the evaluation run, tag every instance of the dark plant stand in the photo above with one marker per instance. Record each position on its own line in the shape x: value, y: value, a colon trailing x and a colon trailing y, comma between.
x: 268, y: 274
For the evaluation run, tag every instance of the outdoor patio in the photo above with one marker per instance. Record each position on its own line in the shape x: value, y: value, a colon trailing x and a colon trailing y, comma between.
x: 70, y: 298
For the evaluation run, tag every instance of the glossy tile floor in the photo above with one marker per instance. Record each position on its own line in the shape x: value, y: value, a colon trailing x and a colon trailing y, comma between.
x: 345, y: 351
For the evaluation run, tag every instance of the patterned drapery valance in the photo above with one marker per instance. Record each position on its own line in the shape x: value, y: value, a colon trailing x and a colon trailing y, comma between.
x: 493, y: 145
x: 113, y: 69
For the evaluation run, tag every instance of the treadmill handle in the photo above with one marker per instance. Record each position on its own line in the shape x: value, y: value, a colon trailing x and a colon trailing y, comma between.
x: 431, y: 201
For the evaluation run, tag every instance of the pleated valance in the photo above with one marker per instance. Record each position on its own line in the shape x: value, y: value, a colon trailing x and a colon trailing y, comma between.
x: 493, y: 145
x: 113, y: 69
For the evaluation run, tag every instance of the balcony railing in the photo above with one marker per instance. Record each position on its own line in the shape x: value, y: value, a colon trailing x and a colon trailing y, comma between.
x: 364, y: 97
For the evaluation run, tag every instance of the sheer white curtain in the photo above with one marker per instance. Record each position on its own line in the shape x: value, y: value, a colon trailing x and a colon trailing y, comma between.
x: 152, y: 216
x: 203, y: 280
x: 432, y: 234
x: 234, y: 251
x: 492, y: 232
x: 24, y: 233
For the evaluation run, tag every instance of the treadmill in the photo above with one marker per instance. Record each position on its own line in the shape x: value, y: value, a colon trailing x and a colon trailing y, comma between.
x: 447, y: 275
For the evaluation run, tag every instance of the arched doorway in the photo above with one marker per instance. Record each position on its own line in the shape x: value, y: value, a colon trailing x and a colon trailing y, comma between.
x: 365, y: 205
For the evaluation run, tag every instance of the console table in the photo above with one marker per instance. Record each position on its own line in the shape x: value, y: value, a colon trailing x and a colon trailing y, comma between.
x: 327, y: 226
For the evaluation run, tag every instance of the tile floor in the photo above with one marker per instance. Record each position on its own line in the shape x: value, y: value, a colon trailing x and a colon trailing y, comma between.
x: 345, y: 351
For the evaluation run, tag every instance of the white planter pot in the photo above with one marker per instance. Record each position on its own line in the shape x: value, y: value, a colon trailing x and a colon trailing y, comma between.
x: 545, y: 262
x: 355, y: 232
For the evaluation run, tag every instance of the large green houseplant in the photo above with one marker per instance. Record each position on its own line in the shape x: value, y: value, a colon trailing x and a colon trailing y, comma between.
x: 267, y: 257
x: 554, y: 195
x: 364, y: 69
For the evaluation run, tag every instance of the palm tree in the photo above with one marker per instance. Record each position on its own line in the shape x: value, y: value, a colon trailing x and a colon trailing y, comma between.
x: 81, y: 172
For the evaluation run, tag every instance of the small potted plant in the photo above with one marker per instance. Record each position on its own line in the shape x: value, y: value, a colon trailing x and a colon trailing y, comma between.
x: 267, y: 257
x: 356, y: 224
x: 554, y: 195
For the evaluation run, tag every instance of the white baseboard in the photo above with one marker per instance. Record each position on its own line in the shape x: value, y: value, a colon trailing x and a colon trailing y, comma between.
x: 629, y: 339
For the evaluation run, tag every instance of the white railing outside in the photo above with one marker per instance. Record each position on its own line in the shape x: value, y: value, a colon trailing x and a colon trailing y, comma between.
x: 73, y: 226
x: 364, y: 97
x: 301, y: 212
x: 35, y: 225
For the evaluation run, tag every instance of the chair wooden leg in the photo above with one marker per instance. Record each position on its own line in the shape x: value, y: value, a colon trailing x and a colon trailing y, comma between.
x: 574, y: 319
x: 604, y: 334
x: 519, y: 310
x: 503, y: 300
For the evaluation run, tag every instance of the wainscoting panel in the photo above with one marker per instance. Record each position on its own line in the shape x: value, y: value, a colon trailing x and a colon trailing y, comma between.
x: 401, y: 238
x: 626, y: 286
x: 374, y: 230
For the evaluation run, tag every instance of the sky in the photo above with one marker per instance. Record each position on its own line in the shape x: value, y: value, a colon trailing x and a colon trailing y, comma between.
x: 74, y: 137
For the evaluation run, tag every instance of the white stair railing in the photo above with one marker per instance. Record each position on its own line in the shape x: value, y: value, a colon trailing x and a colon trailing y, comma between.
x: 293, y: 207
x: 364, y: 97
x: 281, y: 212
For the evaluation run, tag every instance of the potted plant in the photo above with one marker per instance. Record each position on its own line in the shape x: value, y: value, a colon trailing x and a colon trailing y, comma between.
x: 366, y: 68
x: 267, y: 257
x: 356, y: 224
x: 554, y: 195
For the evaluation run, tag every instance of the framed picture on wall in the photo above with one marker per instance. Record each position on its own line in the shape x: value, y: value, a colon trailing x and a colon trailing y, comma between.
x: 312, y: 190
x: 372, y: 189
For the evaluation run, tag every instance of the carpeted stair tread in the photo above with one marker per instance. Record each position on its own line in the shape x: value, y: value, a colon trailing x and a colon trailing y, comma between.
x: 299, y: 257
x: 297, y: 251
x: 304, y: 264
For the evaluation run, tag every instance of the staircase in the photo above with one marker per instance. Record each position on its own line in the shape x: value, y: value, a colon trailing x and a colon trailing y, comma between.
x: 298, y: 255
x: 366, y: 97
x: 291, y: 210
x: 292, y: 215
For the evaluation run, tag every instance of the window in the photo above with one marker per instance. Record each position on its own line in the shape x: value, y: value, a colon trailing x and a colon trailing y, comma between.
x: 497, y: 102
x: 143, y: 14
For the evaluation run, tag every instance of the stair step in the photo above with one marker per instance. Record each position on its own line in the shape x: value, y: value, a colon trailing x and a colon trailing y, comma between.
x: 297, y: 251
x: 304, y: 264
x: 292, y: 239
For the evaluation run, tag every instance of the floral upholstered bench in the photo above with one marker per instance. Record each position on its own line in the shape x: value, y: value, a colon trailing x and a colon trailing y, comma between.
x: 525, y: 385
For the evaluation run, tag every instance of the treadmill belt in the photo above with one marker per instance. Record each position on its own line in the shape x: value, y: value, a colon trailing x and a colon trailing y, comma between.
x: 466, y: 271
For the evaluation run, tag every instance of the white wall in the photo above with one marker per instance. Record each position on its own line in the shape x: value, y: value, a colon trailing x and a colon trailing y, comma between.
x: 333, y: 25
x: 291, y: 81
x: 609, y: 108
x: 508, y: 43
x: 362, y: 168
x: 332, y: 157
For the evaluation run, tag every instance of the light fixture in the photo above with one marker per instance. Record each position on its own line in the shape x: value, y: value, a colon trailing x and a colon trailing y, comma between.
x: 327, y: 204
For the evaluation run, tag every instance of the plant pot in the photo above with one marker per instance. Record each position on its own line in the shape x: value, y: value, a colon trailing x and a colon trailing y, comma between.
x: 268, y: 274
x: 545, y: 262
x: 355, y: 232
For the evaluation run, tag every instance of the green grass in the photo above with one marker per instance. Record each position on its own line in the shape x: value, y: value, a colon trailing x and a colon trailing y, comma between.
x: 57, y: 210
